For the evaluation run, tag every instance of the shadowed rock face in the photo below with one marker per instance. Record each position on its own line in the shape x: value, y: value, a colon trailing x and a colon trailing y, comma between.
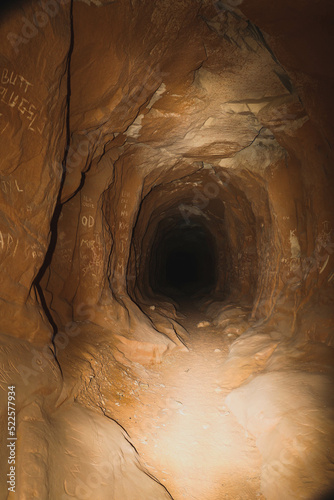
x: 166, y: 170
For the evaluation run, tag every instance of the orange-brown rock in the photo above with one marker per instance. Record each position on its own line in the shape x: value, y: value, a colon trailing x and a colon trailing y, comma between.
x: 167, y: 247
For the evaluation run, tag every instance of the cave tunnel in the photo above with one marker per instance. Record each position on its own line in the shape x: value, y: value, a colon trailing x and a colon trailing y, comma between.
x: 166, y: 250
x: 191, y: 246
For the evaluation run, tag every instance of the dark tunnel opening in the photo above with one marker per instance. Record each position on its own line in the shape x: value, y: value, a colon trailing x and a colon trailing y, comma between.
x: 188, y: 257
x: 183, y: 262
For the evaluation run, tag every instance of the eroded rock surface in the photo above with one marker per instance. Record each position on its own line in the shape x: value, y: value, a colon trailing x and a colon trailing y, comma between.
x: 166, y: 203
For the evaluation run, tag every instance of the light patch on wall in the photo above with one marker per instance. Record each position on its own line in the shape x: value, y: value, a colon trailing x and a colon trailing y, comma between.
x: 135, y: 128
x: 263, y: 153
x: 294, y: 245
x: 157, y: 95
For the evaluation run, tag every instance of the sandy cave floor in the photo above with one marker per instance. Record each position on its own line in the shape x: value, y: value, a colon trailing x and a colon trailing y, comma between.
x: 176, y: 418
x: 234, y: 417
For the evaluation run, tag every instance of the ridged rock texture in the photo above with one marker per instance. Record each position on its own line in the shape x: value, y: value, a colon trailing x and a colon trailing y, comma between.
x: 167, y: 248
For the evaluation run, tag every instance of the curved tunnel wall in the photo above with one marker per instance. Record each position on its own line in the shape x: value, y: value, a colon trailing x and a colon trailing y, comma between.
x: 226, y: 106
x: 225, y: 224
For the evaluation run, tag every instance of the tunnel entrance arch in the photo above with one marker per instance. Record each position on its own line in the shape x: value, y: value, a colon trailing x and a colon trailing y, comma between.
x: 210, y: 254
